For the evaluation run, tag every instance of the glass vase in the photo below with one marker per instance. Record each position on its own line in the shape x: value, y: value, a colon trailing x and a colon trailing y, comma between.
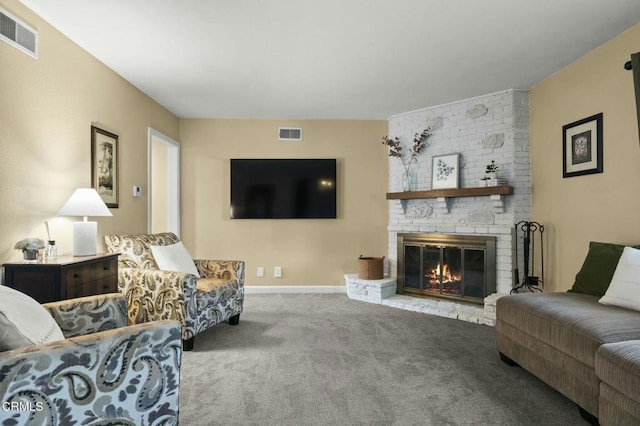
x: 51, y: 251
x: 407, y: 181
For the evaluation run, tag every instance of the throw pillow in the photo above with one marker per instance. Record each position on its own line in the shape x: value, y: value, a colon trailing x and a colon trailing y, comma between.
x: 174, y: 257
x: 598, y: 268
x: 24, y: 322
x: 624, y: 290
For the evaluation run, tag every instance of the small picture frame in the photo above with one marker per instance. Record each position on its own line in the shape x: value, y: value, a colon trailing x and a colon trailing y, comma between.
x: 104, y: 165
x: 582, y: 147
x: 446, y: 171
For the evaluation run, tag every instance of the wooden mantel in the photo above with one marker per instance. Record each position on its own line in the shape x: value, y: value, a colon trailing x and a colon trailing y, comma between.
x: 449, y: 193
x: 442, y: 196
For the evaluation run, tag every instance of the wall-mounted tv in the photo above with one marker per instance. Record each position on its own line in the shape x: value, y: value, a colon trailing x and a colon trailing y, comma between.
x: 283, y: 188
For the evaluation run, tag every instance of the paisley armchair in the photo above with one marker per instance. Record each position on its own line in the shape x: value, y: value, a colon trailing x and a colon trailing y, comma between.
x: 104, y: 372
x: 153, y: 294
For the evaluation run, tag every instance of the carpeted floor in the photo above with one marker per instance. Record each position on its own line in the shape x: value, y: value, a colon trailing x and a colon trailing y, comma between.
x: 323, y: 359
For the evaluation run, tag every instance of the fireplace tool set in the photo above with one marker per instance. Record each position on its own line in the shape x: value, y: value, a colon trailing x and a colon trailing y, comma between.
x: 530, y: 282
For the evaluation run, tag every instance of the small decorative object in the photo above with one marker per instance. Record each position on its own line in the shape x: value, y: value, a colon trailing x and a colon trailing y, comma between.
x: 104, y: 165
x: 482, y: 182
x: 51, y: 250
x: 582, y: 147
x: 395, y: 150
x: 497, y: 182
x: 29, y: 247
x: 370, y: 268
x: 445, y: 172
x: 492, y: 170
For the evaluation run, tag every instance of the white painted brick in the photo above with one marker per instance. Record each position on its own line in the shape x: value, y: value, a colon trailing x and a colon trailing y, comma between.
x: 508, y: 113
x: 464, y: 230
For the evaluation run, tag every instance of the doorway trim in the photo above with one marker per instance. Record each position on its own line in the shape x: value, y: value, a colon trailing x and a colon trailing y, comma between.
x: 173, y: 175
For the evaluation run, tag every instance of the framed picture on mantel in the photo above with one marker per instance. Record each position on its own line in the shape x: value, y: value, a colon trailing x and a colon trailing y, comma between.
x: 104, y: 165
x: 582, y: 147
x: 445, y: 171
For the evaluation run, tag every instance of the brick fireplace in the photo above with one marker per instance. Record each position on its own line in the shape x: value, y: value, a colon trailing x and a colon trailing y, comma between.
x: 491, y: 127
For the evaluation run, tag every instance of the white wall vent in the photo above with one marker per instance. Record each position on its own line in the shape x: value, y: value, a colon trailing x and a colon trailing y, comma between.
x: 18, y: 34
x: 289, y: 133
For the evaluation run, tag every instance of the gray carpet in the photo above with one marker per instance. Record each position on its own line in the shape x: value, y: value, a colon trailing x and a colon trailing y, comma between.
x: 323, y: 359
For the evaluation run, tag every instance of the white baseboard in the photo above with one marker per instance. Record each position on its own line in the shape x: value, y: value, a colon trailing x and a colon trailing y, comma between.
x: 256, y: 289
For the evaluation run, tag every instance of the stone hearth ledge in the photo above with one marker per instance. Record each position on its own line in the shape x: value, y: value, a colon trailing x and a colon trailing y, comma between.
x: 373, y: 291
x: 383, y: 292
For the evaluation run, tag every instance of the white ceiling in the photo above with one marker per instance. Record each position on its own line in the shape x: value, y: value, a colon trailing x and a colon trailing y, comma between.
x: 342, y: 59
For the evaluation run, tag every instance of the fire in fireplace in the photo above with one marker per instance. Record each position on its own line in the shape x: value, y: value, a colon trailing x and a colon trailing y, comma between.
x: 461, y: 267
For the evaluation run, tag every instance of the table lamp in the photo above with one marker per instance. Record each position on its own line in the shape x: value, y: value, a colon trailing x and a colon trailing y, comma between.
x: 85, y: 202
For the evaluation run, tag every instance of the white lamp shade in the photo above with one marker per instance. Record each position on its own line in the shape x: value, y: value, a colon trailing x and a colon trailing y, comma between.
x: 85, y: 202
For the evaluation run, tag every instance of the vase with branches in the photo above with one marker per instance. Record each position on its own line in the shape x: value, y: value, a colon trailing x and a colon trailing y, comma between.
x: 420, y: 142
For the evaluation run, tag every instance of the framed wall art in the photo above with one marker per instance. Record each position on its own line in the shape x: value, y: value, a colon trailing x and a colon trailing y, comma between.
x: 104, y: 165
x: 582, y: 147
x: 445, y: 172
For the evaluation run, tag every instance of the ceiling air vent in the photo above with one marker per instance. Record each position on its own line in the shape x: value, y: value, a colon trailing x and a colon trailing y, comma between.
x: 18, y: 34
x: 289, y: 133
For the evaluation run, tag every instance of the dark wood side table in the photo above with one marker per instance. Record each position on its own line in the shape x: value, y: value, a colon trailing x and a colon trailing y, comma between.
x: 64, y: 277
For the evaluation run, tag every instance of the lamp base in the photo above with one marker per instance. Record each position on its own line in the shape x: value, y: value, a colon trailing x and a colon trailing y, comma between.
x: 85, y: 238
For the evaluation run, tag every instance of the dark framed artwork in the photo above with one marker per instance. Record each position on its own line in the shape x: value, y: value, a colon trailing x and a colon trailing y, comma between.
x: 582, y: 147
x: 104, y: 165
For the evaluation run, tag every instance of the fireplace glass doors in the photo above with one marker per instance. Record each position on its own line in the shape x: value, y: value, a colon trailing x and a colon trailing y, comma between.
x: 461, y: 267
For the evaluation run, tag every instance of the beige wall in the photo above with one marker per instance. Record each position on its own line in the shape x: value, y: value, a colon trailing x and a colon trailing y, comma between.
x: 48, y: 106
x: 310, y: 252
x: 597, y: 207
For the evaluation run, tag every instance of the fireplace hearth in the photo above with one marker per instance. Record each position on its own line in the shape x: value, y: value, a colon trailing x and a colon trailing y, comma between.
x: 449, y: 266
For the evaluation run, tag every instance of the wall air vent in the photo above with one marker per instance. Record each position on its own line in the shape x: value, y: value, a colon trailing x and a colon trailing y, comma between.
x: 18, y: 34
x: 289, y: 133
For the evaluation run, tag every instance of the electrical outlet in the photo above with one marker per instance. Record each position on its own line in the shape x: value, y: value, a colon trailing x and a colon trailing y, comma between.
x: 260, y: 271
x: 277, y: 271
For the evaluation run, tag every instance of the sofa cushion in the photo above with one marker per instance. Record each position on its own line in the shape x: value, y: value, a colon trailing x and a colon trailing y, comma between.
x: 174, y: 257
x: 575, y: 324
x: 24, y: 322
x: 624, y: 290
x: 210, y: 284
x: 618, y: 365
x: 598, y: 268
x: 212, y: 291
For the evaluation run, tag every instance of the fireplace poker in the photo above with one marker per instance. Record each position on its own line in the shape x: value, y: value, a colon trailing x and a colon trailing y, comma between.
x: 529, y: 281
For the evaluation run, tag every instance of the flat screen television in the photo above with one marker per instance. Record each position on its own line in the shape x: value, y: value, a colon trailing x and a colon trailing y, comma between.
x: 283, y: 188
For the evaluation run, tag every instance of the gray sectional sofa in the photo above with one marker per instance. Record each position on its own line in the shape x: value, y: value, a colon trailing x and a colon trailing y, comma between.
x: 588, y: 351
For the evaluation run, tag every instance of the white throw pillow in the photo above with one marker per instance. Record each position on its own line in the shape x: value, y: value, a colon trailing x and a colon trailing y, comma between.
x: 24, y: 322
x: 624, y: 290
x: 174, y: 257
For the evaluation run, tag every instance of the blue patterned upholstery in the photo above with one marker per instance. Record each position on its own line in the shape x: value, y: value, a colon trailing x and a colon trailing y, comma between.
x: 105, y: 372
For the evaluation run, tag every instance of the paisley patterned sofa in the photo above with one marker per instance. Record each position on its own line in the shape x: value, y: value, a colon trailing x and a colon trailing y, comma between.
x: 153, y: 294
x: 105, y: 372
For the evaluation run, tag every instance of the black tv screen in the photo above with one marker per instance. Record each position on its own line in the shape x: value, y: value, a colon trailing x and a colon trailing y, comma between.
x: 283, y: 188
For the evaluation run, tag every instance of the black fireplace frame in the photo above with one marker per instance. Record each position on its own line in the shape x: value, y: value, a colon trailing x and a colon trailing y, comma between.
x: 423, y: 240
